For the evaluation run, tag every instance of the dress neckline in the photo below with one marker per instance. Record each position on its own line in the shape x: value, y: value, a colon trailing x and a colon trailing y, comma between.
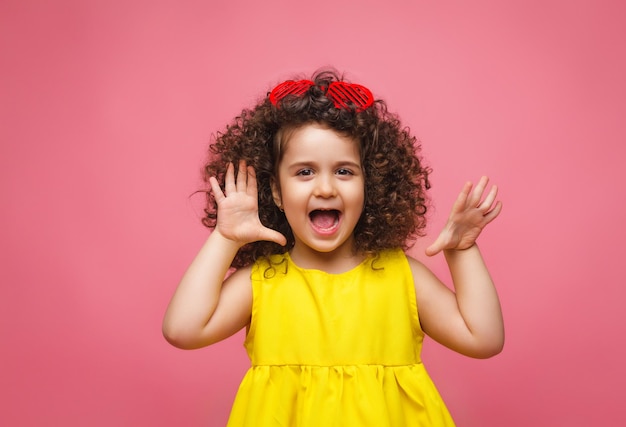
x: 293, y: 264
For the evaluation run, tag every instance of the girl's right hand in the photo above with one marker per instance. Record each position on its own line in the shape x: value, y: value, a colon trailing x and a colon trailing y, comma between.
x: 237, y: 207
x: 471, y: 212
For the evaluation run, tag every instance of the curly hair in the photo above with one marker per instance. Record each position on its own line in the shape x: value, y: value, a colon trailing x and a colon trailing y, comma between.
x: 396, y: 179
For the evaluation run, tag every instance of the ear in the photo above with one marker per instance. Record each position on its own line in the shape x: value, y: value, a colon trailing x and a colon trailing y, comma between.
x: 278, y: 200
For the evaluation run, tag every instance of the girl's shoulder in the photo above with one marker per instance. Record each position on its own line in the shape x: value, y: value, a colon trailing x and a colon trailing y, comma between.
x: 393, y: 261
x: 419, y: 270
x: 390, y: 256
x: 240, y: 277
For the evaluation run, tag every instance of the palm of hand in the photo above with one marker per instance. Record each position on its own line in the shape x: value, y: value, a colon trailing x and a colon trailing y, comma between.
x: 470, y: 214
x: 238, y: 218
x: 238, y: 214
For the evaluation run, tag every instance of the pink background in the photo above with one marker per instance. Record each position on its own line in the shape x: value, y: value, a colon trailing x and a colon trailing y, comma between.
x: 106, y: 112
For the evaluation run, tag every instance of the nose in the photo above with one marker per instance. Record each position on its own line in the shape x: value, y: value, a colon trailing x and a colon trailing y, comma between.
x: 325, y: 187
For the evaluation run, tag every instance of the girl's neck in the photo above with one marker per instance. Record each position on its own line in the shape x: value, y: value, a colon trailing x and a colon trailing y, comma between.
x: 334, y: 262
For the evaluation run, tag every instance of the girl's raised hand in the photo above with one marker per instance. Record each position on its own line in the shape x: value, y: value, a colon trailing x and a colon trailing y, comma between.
x: 238, y: 209
x: 470, y: 214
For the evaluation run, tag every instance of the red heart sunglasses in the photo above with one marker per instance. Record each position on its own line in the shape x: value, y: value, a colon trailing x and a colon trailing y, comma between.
x: 341, y: 93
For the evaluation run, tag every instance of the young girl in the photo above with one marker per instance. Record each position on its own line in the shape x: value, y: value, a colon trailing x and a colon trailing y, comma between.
x: 315, y: 194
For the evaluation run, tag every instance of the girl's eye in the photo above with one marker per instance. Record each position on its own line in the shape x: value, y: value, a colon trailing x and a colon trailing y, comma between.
x: 305, y: 172
x: 344, y: 171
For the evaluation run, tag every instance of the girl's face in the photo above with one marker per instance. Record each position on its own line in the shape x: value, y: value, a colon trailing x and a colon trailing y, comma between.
x: 320, y: 186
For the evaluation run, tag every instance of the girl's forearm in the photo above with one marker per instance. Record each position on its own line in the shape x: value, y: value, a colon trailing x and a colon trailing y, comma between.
x: 477, y: 299
x: 198, y: 292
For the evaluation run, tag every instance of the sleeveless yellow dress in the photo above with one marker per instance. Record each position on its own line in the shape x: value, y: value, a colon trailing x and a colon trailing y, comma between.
x: 338, y: 350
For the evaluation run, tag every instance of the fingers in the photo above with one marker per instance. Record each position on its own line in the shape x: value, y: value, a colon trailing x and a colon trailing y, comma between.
x: 491, y: 197
x: 242, y: 177
x: 251, y: 177
x: 244, y: 181
x: 477, y: 194
x: 491, y: 215
x: 217, y: 191
x: 486, y: 205
x: 461, y: 201
x: 229, y: 180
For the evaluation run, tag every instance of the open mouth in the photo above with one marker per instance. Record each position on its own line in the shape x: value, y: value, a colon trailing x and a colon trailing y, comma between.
x: 323, y: 219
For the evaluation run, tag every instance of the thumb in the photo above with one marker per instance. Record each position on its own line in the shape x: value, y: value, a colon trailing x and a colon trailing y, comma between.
x: 435, y: 247
x: 432, y: 250
x: 272, y: 236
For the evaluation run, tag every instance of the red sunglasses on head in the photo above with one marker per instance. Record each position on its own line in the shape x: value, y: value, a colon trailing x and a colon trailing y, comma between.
x: 341, y: 93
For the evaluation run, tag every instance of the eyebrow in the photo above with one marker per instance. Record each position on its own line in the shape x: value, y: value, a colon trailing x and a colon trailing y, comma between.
x: 335, y: 164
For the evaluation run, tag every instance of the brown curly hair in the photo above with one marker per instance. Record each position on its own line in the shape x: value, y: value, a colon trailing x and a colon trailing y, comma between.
x: 395, y: 178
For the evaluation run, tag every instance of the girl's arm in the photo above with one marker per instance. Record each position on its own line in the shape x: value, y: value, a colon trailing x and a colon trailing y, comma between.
x: 205, y: 308
x: 468, y: 320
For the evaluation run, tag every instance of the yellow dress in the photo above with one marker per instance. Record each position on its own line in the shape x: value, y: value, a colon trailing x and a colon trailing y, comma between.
x: 336, y: 349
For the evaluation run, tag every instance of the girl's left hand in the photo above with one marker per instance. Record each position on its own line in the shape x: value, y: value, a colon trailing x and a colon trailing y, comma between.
x: 470, y: 214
